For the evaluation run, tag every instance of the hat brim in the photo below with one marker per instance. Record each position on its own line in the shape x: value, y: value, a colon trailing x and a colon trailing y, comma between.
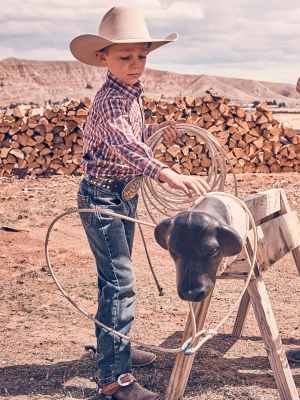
x: 84, y: 47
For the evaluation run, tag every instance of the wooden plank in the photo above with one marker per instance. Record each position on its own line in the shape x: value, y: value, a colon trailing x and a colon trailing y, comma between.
x: 285, y: 207
x: 241, y: 316
x: 263, y: 204
x: 272, y: 340
x: 245, y: 302
x: 238, y: 269
x: 244, y: 305
x: 276, y: 238
x: 183, y: 364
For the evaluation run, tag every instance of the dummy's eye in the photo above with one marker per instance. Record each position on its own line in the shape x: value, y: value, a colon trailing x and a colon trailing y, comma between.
x: 213, y: 252
x: 172, y: 250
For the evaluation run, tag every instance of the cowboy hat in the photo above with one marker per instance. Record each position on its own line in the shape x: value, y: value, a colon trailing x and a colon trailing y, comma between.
x: 119, y: 25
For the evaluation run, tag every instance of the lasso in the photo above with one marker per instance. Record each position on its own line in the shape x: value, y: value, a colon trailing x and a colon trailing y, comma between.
x: 163, y: 200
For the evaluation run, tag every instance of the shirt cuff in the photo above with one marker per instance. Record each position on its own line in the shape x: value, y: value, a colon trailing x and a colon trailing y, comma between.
x: 153, y: 169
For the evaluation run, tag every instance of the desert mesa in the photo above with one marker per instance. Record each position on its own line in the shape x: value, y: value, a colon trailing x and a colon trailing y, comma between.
x: 39, y: 82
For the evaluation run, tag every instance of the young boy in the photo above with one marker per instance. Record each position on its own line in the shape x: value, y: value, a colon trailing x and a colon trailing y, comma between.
x: 115, y: 157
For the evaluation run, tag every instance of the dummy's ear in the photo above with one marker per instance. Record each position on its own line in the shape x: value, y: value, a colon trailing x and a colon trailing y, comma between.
x: 161, y: 232
x: 229, y: 240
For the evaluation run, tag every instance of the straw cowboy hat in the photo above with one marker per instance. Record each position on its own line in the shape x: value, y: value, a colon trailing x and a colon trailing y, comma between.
x: 119, y: 25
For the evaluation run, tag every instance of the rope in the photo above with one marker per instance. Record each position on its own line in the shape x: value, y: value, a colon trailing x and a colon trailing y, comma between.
x: 160, y: 198
x: 187, y: 346
x: 164, y: 201
x: 159, y: 287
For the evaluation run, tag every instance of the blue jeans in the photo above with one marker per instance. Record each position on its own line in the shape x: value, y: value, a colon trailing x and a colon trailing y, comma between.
x: 111, y: 240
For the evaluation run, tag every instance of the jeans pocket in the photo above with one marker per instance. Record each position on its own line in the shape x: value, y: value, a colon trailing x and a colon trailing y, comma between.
x: 83, y: 202
x: 105, y: 199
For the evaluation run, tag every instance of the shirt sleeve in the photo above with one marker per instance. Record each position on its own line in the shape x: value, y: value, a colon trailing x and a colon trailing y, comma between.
x: 149, y: 130
x: 118, y: 135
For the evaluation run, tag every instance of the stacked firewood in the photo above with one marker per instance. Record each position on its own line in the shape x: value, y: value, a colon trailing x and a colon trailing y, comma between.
x: 253, y: 140
x: 41, y: 141
x: 48, y: 140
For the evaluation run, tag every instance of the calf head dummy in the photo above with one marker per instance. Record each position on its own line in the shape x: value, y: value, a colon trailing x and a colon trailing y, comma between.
x: 199, y: 238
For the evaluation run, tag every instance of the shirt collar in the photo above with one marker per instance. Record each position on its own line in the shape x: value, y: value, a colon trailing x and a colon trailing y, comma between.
x: 132, y: 92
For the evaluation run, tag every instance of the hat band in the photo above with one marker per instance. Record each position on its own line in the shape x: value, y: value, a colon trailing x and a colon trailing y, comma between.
x: 146, y: 39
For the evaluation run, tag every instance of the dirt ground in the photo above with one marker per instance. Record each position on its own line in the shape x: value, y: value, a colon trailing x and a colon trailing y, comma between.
x: 292, y: 119
x: 43, y: 336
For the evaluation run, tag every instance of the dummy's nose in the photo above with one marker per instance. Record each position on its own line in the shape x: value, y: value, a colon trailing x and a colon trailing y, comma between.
x: 195, y: 295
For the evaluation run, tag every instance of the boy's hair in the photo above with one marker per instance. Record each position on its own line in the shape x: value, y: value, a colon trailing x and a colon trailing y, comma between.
x: 107, y: 48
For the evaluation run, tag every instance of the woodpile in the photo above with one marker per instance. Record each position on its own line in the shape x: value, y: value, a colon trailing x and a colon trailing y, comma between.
x: 253, y: 140
x: 42, y: 141
x: 48, y: 140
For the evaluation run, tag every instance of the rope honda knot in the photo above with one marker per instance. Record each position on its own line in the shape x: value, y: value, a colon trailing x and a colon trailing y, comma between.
x: 187, y: 348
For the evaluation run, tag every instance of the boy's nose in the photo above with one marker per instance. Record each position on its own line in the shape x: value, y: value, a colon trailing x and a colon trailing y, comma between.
x: 134, y: 63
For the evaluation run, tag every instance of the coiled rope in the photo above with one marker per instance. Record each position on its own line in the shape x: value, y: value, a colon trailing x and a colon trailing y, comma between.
x: 159, y: 197
x: 216, y: 176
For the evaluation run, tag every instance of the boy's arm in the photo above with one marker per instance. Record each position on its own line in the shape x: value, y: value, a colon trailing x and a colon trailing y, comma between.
x: 117, y: 133
x: 169, y: 131
x: 139, y: 156
x: 148, y: 130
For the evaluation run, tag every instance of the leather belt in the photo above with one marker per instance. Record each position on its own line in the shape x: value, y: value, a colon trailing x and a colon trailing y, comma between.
x: 127, y: 190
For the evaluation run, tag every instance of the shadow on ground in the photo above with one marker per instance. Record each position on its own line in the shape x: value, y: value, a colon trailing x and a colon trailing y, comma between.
x: 210, y: 370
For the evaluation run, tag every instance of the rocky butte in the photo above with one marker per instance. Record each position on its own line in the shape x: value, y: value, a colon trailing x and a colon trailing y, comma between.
x: 25, y: 81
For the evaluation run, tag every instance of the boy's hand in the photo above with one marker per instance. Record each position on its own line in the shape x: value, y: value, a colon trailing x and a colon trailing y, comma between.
x: 169, y: 130
x: 189, y: 184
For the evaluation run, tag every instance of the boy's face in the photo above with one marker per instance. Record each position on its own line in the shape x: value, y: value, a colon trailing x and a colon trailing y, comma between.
x: 125, y: 61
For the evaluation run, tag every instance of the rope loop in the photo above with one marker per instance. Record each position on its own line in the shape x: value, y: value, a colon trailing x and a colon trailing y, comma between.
x: 158, y: 197
x: 169, y: 202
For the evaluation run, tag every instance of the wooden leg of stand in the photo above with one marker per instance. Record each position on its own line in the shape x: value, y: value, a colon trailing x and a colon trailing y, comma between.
x: 183, y: 364
x: 285, y: 207
x: 241, y: 316
x: 272, y: 341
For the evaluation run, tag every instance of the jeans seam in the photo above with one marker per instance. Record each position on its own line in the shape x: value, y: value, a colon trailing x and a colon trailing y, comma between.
x: 107, y: 381
x: 108, y: 371
x: 115, y: 300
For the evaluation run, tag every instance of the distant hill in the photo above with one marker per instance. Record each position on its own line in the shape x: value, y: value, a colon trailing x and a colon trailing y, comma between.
x: 25, y: 81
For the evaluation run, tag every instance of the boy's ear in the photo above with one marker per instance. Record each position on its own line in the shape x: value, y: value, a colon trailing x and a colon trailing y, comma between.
x: 161, y: 232
x: 101, y: 55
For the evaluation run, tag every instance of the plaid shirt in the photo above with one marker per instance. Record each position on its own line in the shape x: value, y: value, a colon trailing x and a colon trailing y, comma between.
x: 113, y: 134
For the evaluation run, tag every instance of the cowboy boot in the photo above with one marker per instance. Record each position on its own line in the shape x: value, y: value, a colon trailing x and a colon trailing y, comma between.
x: 141, y: 358
x: 134, y: 392
x: 126, y: 388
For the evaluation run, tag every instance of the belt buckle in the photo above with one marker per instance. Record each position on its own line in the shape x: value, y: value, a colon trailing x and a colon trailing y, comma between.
x: 131, y: 189
x: 125, y: 380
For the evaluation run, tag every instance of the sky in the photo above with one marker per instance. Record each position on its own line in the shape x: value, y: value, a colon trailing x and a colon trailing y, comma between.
x: 250, y: 39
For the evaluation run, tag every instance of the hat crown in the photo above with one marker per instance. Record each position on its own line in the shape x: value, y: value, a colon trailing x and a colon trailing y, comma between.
x: 123, y: 23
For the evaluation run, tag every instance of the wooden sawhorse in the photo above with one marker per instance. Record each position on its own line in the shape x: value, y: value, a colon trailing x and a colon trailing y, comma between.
x: 278, y: 231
